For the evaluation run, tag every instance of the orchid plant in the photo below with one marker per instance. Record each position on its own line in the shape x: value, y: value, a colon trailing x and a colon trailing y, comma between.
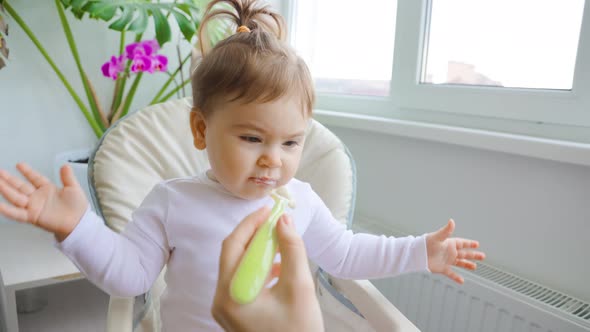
x: 141, y: 56
x: 133, y: 59
x: 138, y: 58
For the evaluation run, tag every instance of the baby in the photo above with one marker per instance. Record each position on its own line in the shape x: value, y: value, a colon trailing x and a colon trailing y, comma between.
x: 253, y: 98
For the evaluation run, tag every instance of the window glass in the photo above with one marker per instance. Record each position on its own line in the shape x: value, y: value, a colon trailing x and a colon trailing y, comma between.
x: 348, y: 45
x: 507, y: 43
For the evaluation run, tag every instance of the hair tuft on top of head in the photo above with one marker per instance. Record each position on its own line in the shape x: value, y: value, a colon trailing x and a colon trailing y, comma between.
x: 251, y: 14
x: 258, y: 66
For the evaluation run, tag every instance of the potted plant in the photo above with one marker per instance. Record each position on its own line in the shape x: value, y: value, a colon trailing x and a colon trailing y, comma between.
x: 135, y: 58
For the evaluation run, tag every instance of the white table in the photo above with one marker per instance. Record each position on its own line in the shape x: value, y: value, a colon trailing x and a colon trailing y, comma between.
x: 28, y: 259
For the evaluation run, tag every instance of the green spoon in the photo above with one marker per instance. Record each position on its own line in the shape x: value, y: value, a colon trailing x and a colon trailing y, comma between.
x: 257, y: 261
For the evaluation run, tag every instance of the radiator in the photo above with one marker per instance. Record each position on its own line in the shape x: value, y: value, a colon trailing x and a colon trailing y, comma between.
x: 489, y: 300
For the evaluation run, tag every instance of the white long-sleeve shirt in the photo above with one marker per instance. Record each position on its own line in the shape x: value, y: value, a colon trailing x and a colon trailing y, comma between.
x: 182, y: 223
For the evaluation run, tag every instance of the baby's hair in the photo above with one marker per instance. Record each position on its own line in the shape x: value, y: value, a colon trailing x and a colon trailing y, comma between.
x: 253, y: 65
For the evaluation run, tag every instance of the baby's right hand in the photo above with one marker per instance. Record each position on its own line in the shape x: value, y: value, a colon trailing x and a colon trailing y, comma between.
x: 41, y: 203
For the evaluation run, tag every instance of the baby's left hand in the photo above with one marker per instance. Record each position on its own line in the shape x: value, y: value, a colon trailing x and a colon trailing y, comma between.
x: 445, y: 252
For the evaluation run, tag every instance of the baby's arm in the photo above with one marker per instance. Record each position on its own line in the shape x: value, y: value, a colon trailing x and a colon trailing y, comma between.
x: 124, y: 264
x: 360, y: 256
x: 347, y: 255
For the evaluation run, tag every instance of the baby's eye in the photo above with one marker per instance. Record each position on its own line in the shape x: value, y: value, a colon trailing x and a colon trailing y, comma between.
x: 250, y: 139
x: 291, y: 143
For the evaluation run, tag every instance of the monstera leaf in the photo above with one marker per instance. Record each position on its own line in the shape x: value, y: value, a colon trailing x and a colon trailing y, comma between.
x: 133, y: 15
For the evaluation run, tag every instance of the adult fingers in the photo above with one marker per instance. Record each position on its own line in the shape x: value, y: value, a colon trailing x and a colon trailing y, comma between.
x: 294, y: 264
x: 15, y: 182
x: 235, y: 244
x: 33, y: 176
x: 275, y: 272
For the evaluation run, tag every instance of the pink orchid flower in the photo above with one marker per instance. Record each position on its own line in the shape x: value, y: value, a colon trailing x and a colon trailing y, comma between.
x: 142, y: 63
x: 142, y: 57
x: 113, y: 67
x: 159, y: 63
x: 146, y: 47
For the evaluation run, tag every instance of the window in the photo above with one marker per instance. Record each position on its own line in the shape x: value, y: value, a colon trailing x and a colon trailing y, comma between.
x: 348, y: 46
x: 514, y: 66
x: 482, y: 42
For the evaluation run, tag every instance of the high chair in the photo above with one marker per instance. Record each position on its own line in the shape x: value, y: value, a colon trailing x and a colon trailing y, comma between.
x: 3, y: 300
x: 155, y: 144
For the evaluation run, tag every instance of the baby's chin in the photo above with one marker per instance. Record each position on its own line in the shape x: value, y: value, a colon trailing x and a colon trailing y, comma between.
x: 251, y: 193
x: 252, y: 196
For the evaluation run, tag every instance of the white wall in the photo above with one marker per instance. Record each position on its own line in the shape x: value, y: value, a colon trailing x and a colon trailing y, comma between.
x: 531, y: 216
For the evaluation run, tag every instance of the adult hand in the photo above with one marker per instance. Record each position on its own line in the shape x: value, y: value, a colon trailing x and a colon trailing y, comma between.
x: 290, y: 305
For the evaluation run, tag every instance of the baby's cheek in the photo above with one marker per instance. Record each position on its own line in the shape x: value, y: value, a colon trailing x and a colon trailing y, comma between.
x: 287, y: 175
x: 294, y: 164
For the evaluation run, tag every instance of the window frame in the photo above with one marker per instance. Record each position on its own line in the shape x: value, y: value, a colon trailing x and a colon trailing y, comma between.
x: 531, y: 112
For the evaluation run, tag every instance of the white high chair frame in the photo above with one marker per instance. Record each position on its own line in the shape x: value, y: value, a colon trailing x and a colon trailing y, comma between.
x: 338, y: 298
x: 3, y: 301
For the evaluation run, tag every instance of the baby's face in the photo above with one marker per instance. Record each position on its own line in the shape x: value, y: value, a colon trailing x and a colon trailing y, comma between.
x: 254, y: 148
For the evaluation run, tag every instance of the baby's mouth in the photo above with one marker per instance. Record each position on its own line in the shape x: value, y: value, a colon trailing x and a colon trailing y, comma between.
x: 264, y: 181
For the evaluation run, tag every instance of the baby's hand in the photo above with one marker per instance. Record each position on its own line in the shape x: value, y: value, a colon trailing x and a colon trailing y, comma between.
x: 445, y: 252
x: 41, y: 203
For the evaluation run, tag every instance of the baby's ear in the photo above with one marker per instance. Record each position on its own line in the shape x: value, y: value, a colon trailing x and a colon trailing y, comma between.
x: 198, y: 128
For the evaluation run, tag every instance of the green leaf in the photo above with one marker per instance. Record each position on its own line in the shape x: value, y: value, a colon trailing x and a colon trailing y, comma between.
x: 100, y: 10
x: 78, y: 4
x: 140, y: 22
x: 134, y: 15
x: 66, y: 3
x: 185, y: 8
x: 192, y: 11
x: 121, y: 23
x: 187, y: 28
x: 163, y: 33
x: 78, y: 13
x: 77, y: 7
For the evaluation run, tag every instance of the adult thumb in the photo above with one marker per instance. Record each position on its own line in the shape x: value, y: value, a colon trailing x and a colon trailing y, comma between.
x: 294, y: 262
x: 67, y: 176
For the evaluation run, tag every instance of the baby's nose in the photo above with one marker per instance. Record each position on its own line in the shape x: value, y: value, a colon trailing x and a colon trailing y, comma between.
x: 271, y: 158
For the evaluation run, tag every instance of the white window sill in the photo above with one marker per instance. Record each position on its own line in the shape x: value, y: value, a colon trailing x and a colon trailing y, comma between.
x: 550, y: 149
